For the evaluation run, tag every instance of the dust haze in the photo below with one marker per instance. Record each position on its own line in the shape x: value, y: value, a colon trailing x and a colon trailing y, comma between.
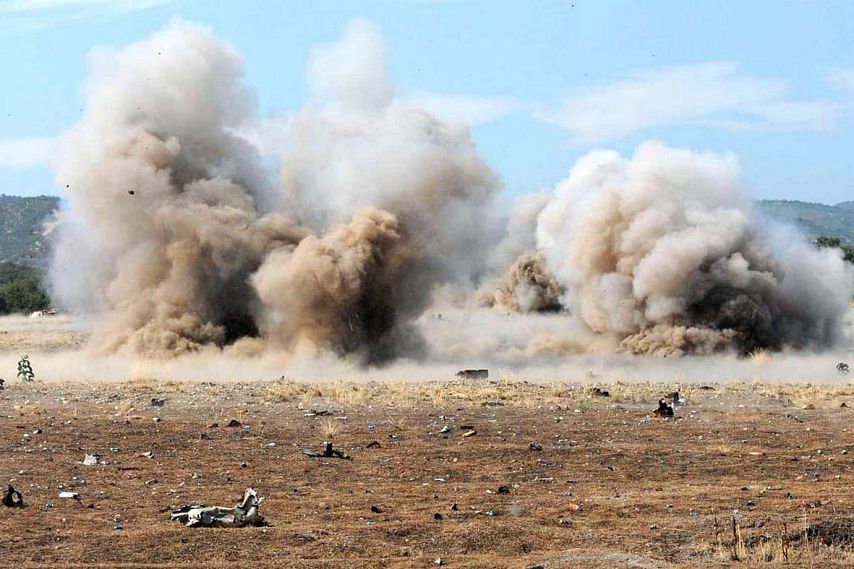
x: 377, y: 245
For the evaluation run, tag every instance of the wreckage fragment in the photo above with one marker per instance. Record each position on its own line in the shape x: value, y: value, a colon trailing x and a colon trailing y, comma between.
x: 243, y: 514
x: 664, y: 411
x: 12, y: 498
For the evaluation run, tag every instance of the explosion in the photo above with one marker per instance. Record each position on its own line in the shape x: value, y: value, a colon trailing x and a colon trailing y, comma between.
x: 175, y: 238
x: 664, y: 252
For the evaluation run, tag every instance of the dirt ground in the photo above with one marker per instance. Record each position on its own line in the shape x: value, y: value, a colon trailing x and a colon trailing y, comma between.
x: 746, y: 471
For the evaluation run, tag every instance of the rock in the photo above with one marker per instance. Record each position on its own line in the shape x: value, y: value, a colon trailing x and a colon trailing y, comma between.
x: 234, y: 423
x: 374, y: 444
x: 376, y: 509
x: 90, y: 459
x: 473, y: 374
x: 69, y: 495
x: 438, y: 517
x: 503, y: 490
x: 535, y: 446
x: 469, y: 433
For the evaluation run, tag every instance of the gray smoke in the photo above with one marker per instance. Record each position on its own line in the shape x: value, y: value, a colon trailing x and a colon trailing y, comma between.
x: 664, y: 252
x: 175, y: 238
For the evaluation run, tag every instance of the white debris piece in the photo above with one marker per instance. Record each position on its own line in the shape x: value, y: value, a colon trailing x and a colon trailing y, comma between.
x: 243, y: 514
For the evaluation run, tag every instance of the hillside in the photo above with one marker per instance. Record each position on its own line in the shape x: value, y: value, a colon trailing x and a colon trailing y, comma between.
x: 21, y: 228
x: 814, y: 218
x: 22, y: 218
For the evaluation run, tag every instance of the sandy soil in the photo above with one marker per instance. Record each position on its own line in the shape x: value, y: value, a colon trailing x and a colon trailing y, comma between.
x: 610, y: 487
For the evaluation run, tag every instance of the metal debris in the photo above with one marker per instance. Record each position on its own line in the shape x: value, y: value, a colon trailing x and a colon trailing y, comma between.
x: 243, y: 514
x: 90, y: 459
x: 69, y: 495
x: 12, y: 498
x: 664, y: 410
x: 842, y: 367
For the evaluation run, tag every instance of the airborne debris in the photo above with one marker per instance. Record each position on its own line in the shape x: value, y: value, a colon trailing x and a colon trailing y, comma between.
x: 842, y: 367
x: 243, y: 514
x: 473, y: 374
x: 328, y: 452
x: 12, y: 498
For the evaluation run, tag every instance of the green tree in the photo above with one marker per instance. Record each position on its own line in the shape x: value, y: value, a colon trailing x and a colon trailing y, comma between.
x: 21, y: 290
x: 836, y: 243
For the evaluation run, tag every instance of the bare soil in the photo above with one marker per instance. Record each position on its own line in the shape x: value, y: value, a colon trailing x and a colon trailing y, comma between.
x: 610, y: 487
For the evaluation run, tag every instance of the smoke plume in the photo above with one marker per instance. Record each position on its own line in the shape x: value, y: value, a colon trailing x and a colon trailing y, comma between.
x: 176, y: 238
x: 664, y: 252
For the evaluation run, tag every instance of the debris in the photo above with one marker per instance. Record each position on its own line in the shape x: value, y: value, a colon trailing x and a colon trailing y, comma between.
x: 69, y: 495
x: 473, y: 374
x: 376, y: 509
x: 664, y: 410
x: 491, y: 513
x: 497, y: 403
x: 243, y: 514
x: 535, y: 446
x: 842, y: 367
x: 374, y: 444
x: 445, y: 430
x: 438, y: 561
x: 504, y: 489
x: 454, y: 507
x: 155, y: 402
x: 438, y: 517
x: 90, y: 459
x: 12, y: 498
x: 234, y: 423
x: 597, y: 392
x: 469, y: 433
x: 131, y: 192
x: 117, y: 523
x: 2, y: 383
x: 328, y: 452
x: 843, y: 405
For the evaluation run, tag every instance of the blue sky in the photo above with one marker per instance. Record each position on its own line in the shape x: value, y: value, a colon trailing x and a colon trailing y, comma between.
x: 541, y: 82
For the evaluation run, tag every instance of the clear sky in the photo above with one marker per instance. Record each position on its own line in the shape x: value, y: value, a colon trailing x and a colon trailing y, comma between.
x: 540, y: 82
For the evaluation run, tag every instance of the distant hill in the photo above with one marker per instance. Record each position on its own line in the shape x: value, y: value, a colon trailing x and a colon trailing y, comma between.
x: 22, y: 219
x: 21, y: 228
x: 814, y: 218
